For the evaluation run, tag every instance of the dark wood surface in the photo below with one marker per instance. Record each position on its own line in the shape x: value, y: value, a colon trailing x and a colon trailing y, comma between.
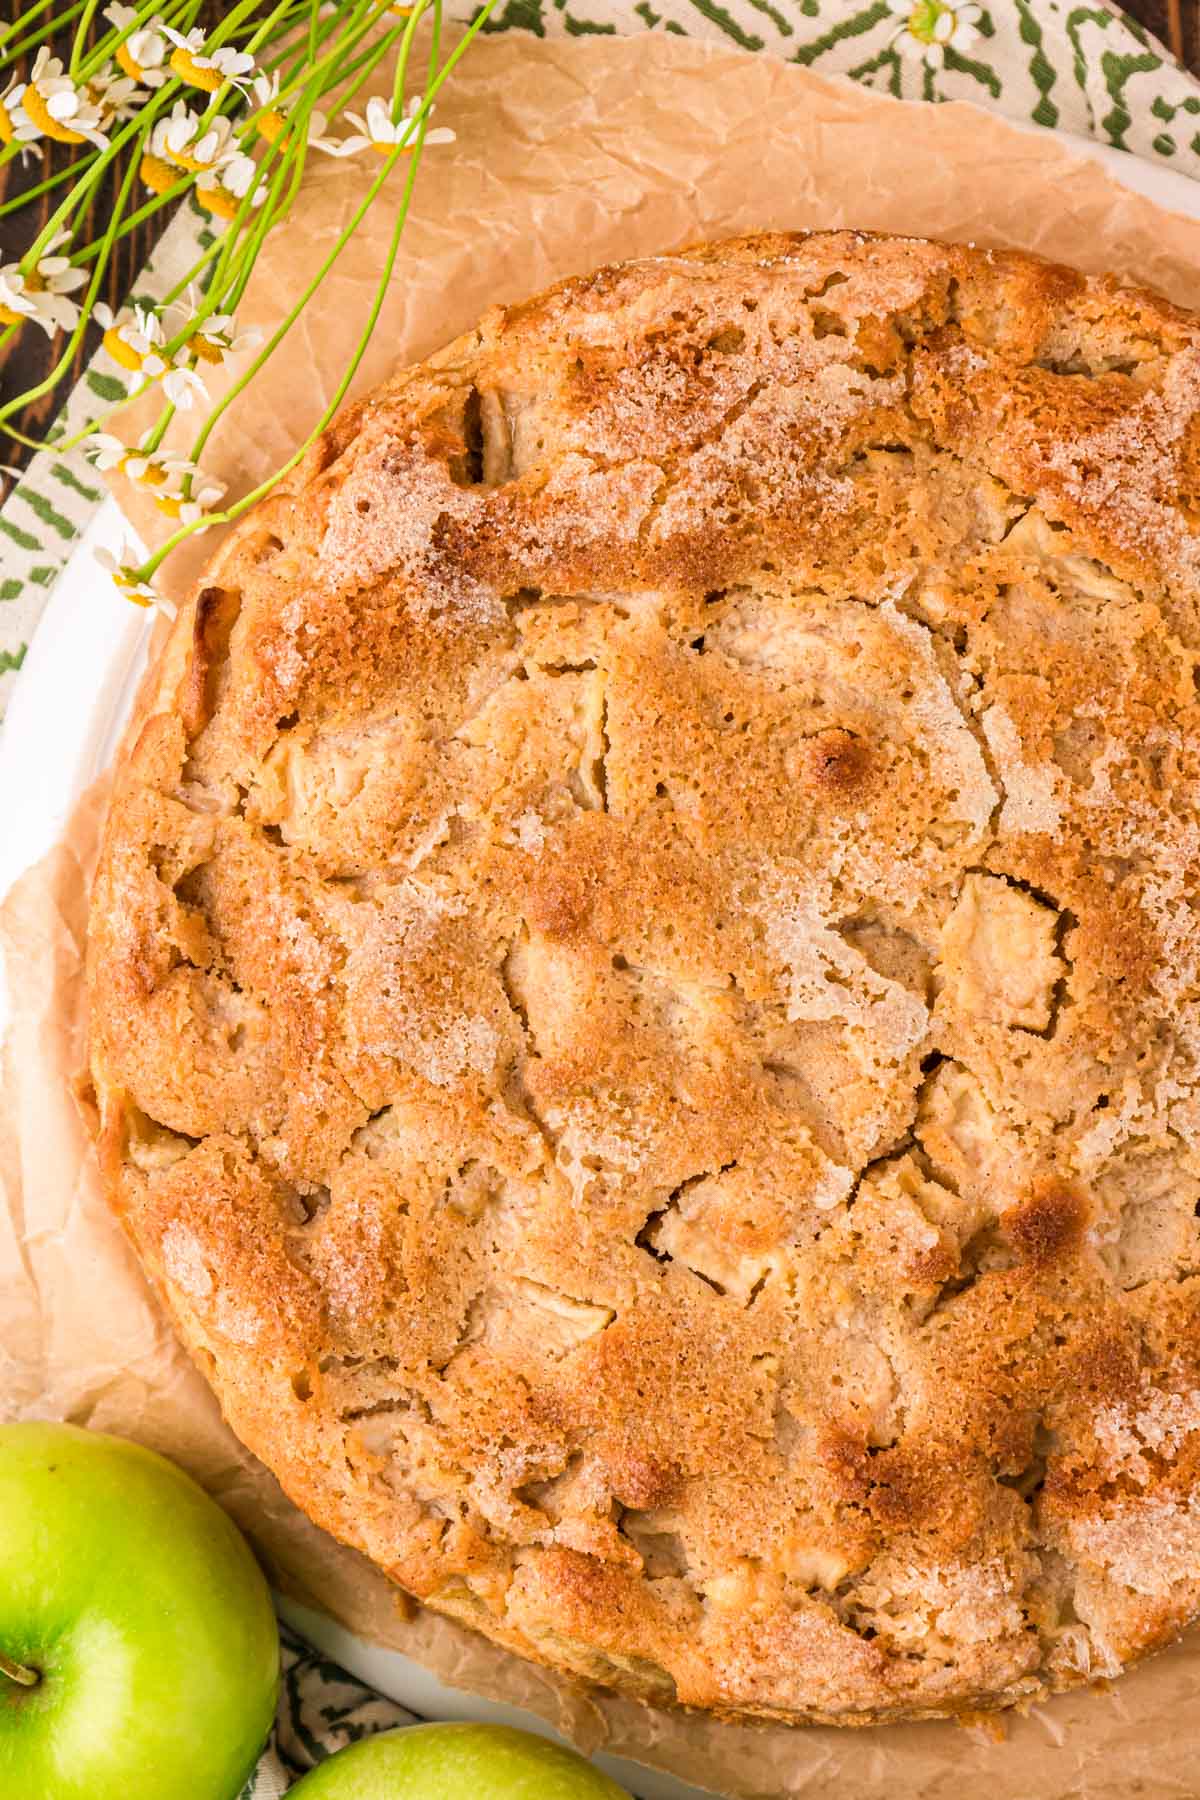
x: 29, y: 355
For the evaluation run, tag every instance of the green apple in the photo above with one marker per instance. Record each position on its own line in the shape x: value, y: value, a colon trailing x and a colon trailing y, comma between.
x: 456, y: 1762
x: 140, y: 1655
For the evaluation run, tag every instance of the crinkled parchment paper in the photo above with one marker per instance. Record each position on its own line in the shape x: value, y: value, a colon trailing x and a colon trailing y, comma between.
x: 568, y: 154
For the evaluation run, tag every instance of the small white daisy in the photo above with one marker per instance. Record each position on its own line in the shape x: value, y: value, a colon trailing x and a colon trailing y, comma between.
x: 148, y: 468
x: 133, y: 338
x: 105, y: 451
x: 931, y: 27
x: 58, y: 108
x: 44, y: 293
x: 272, y: 118
x: 223, y: 192
x: 206, y: 69
x: 124, y: 572
x: 180, y: 140
x: 143, y: 54
x: 214, y: 338
x: 182, y: 385
x: 380, y: 131
x: 188, y: 492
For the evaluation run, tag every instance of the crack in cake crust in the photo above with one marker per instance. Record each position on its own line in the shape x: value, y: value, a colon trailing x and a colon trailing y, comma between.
x: 645, y: 983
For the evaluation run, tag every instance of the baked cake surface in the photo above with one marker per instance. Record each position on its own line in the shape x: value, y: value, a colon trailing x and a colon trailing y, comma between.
x: 645, y: 978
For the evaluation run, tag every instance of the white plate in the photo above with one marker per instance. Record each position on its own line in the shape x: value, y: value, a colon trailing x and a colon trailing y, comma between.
x: 63, y: 722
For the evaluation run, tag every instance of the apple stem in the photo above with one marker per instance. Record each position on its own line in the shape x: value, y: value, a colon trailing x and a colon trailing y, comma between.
x: 18, y: 1672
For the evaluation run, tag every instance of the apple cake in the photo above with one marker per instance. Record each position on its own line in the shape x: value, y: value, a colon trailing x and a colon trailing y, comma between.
x: 645, y: 978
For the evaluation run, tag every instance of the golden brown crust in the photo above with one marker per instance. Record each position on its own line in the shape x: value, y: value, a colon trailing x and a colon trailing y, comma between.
x: 645, y: 980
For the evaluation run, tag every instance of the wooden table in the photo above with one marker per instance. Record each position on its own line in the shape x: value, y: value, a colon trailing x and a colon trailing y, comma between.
x: 28, y: 356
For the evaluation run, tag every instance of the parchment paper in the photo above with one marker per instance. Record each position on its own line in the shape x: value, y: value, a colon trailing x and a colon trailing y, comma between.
x: 568, y: 154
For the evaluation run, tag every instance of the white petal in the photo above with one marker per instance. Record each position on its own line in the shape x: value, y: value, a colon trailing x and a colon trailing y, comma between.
x: 379, y: 120
x: 347, y: 147
x: 63, y: 106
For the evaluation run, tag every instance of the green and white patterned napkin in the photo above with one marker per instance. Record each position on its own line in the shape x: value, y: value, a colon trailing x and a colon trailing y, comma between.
x: 321, y: 1710
x: 1086, y: 69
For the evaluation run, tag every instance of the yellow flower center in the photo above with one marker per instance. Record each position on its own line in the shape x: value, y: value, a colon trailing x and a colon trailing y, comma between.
x: 126, y: 62
x: 6, y: 125
x: 9, y: 317
x: 40, y: 115
x: 150, y: 476
x: 170, y: 504
x: 120, y: 351
x: 270, y: 125
x: 208, y: 349
x: 188, y: 69
x: 128, y: 586
x: 218, y: 201
x: 157, y: 174
x: 183, y: 159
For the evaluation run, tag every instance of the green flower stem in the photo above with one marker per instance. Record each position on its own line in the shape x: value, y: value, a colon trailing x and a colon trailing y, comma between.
x: 234, y: 252
x: 134, y: 128
x: 226, y: 93
x: 282, y: 330
x: 368, y: 59
x: 364, y: 66
x: 64, y: 362
x: 81, y: 31
x: 248, y: 500
x: 38, y: 37
x: 194, y: 273
x: 359, y: 19
x: 27, y: 16
x: 268, y: 27
x: 227, y: 287
x: 147, y: 211
x: 306, y: 57
x: 96, y: 423
x: 158, y: 430
x: 19, y: 437
x: 43, y: 187
x: 178, y: 14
